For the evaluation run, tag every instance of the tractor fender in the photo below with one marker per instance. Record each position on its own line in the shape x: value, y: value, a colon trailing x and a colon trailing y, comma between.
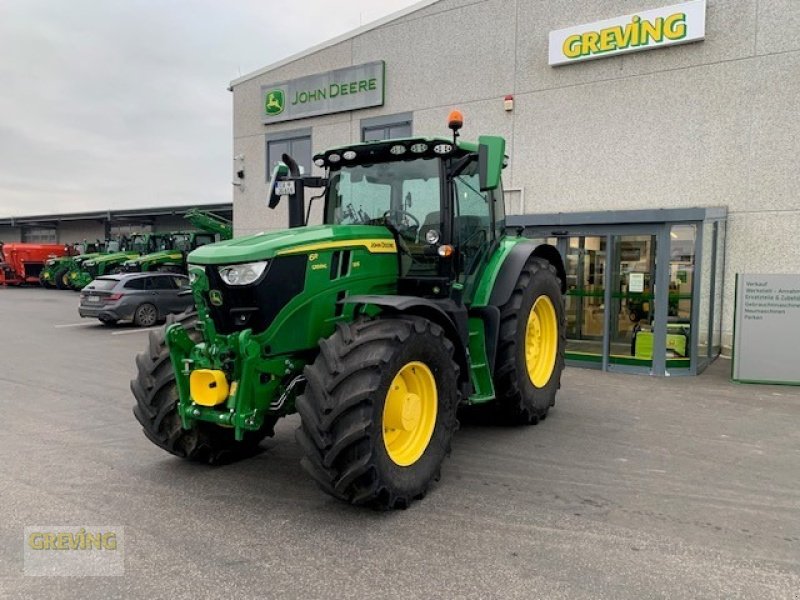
x: 445, y: 313
x: 513, y: 264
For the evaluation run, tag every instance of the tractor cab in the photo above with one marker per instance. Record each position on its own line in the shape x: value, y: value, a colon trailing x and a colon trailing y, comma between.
x: 441, y: 198
x: 185, y: 242
x: 146, y: 243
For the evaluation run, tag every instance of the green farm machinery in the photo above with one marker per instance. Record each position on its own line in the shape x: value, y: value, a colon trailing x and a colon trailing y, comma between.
x: 173, y: 258
x: 132, y: 247
x: 412, y: 299
x: 55, y: 273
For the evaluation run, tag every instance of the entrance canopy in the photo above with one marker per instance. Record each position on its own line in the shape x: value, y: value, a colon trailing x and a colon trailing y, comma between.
x: 644, y: 287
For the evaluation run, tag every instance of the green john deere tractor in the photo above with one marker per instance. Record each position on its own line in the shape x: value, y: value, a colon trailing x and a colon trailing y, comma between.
x: 173, y: 258
x: 136, y: 245
x: 55, y: 273
x: 408, y: 302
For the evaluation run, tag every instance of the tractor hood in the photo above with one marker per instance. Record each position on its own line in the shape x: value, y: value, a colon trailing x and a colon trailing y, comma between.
x: 160, y: 255
x: 116, y: 256
x: 264, y: 246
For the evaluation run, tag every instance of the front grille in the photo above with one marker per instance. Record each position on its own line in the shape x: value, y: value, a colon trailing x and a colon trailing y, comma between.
x: 255, y: 306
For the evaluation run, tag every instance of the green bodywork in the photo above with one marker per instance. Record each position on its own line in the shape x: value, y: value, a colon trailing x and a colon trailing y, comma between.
x: 90, y: 269
x: 136, y: 245
x: 60, y: 263
x: 210, y: 223
x: 182, y: 242
x: 263, y: 366
x: 163, y: 259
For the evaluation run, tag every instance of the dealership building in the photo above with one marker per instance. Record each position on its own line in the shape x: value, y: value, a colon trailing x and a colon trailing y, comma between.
x: 656, y: 149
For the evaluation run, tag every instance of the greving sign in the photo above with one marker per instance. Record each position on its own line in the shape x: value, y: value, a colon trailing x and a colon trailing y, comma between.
x: 645, y: 30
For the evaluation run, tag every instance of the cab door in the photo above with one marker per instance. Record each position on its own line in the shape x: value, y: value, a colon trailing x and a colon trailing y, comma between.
x: 476, y: 227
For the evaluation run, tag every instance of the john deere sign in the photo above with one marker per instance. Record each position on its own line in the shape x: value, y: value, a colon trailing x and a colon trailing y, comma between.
x: 345, y: 89
x: 677, y: 24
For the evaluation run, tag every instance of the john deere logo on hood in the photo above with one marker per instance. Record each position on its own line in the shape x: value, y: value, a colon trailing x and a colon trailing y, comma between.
x: 275, y: 103
x: 215, y: 297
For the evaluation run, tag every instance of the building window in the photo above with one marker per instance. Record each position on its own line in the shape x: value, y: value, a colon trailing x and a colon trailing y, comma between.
x: 296, y: 144
x: 39, y: 235
x: 386, y: 128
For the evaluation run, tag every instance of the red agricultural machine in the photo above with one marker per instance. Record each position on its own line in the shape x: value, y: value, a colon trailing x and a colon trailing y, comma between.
x: 22, y: 263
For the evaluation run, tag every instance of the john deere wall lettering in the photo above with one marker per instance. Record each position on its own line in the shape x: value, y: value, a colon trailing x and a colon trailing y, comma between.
x: 677, y: 24
x: 345, y: 89
x: 767, y: 329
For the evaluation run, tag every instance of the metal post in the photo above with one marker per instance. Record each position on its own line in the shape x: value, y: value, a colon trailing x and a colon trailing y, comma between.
x: 713, y: 290
x: 608, y: 279
x: 661, y: 298
x: 694, y: 326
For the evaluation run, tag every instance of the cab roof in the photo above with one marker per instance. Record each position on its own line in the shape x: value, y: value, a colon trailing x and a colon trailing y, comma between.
x: 394, y: 149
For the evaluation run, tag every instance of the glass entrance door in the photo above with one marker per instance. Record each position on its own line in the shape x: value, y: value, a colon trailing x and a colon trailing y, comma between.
x: 585, y: 300
x: 633, y: 300
x: 643, y: 295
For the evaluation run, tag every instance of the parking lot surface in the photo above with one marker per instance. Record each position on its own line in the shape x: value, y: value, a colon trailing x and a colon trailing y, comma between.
x: 632, y: 488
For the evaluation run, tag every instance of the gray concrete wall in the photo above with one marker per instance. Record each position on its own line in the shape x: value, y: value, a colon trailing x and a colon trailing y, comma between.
x: 76, y: 231
x: 172, y: 223
x: 10, y: 234
x: 712, y: 123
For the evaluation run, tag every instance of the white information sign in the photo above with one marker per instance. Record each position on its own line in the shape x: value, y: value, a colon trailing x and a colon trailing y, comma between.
x: 636, y: 282
x: 767, y: 328
x: 667, y: 26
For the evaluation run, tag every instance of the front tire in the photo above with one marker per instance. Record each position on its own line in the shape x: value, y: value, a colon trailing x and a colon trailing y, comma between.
x: 379, y: 410
x: 156, y: 407
x: 61, y: 279
x: 530, y: 357
x: 146, y: 315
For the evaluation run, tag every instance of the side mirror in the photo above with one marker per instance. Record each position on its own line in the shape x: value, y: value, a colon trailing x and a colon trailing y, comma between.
x: 275, y: 191
x: 491, y: 155
x: 483, y: 167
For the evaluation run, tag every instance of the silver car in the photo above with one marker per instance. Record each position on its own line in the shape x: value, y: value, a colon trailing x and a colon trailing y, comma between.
x: 144, y: 298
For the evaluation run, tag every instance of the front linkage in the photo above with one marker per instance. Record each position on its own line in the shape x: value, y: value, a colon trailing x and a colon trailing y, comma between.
x: 259, y: 385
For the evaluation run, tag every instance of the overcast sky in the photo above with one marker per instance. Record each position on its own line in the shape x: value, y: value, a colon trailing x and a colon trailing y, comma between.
x: 119, y: 104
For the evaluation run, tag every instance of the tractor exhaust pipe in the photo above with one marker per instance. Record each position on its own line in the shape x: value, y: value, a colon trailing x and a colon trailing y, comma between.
x: 287, y: 180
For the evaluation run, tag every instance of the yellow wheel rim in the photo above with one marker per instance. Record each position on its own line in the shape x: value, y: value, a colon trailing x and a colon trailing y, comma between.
x: 409, y: 413
x: 541, y: 341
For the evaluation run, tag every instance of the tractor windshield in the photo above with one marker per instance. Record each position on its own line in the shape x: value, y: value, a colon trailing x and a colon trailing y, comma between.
x: 182, y: 242
x: 407, y: 193
x: 139, y: 244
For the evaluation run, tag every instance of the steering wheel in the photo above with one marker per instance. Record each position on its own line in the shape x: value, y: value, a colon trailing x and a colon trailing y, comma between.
x: 390, y: 214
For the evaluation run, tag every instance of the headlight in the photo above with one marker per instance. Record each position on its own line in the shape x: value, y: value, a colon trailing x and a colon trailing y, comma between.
x: 244, y: 274
x: 50, y: 262
x: 89, y: 263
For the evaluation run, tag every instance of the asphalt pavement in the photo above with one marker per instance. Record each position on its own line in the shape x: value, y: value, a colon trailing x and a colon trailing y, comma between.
x: 634, y: 487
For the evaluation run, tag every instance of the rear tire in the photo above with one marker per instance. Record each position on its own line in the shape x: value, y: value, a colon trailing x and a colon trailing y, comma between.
x: 353, y: 447
x: 526, y: 388
x: 156, y: 407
